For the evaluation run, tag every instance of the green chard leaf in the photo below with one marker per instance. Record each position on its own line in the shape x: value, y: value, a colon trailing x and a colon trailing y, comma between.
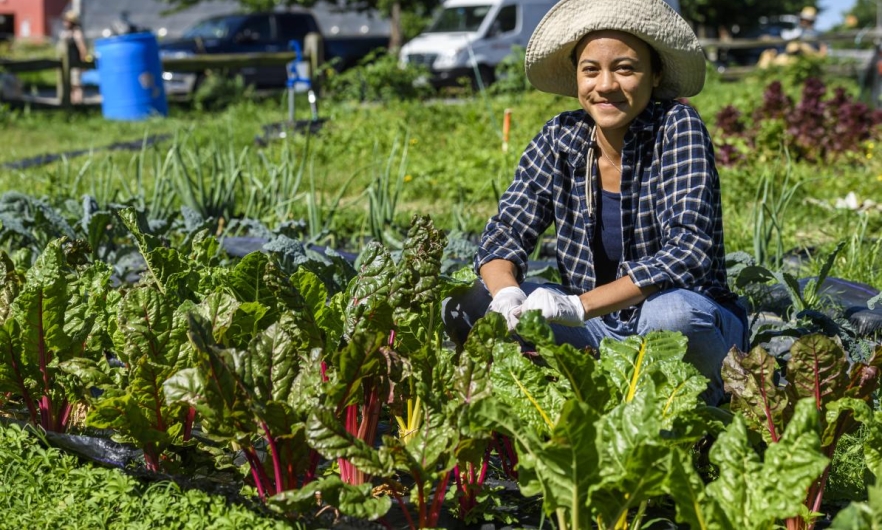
x: 750, y: 378
x: 416, y: 283
x: 527, y: 387
x: 488, y: 338
x: 873, y: 445
x: 632, y: 363
x: 10, y: 285
x: 355, y: 501
x: 369, y: 291
x: 41, y: 306
x: 170, y: 271
x: 218, y: 310
x: 213, y: 387
x: 818, y: 369
x: 327, y: 435
x: 634, y: 459
x: 247, y: 282
x: 149, y: 327
x: 756, y: 494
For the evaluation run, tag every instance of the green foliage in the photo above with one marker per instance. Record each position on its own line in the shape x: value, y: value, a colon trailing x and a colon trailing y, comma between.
x: 48, y: 488
x: 217, y: 90
x: 378, y: 78
x: 511, y: 78
x: 863, y: 515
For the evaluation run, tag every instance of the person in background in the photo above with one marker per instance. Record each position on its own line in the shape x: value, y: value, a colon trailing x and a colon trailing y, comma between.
x: 72, y: 42
x: 803, y: 42
x: 630, y: 185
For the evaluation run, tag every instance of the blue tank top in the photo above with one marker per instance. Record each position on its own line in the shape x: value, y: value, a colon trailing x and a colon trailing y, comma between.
x: 607, y: 240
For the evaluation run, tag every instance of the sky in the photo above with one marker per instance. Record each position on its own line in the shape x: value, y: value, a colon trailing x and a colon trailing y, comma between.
x: 832, y: 13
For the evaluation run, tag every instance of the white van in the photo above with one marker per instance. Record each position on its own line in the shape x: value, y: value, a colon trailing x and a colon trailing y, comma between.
x: 474, y: 35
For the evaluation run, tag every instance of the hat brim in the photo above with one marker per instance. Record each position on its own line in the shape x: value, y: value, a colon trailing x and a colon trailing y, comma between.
x: 549, y: 56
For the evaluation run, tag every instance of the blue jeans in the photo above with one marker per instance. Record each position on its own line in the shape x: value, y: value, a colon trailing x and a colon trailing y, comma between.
x: 712, y: 329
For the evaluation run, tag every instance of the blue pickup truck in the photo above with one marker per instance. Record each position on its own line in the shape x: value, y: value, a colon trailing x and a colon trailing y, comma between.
x: 259, y: 33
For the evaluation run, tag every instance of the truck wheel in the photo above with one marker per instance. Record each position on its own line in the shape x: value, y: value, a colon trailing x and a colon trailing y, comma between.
x: 486, y: 76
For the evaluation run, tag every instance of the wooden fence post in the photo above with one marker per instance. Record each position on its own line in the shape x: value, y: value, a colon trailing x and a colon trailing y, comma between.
x: 63, y: 88
x: 314, y: 49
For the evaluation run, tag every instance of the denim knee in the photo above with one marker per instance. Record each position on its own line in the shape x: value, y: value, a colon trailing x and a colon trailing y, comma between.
x: 677, y: 310
x: 711, y: 330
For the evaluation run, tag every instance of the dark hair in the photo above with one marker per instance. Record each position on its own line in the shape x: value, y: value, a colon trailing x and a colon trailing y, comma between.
x: 655, y: 61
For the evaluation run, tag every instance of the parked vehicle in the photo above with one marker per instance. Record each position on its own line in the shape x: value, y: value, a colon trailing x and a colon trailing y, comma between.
x: 259, y: 33
x: 468, y: 38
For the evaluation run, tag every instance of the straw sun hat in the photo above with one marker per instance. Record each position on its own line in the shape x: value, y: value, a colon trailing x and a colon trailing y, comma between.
x: 549, y: 57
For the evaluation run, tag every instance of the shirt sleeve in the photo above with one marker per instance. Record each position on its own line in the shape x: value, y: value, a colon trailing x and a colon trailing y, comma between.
x: 687, y: 207
x: 525, y: 209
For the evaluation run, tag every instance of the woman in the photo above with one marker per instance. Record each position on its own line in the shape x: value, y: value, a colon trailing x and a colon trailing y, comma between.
x: 630, y: 184
x: 72, y: 42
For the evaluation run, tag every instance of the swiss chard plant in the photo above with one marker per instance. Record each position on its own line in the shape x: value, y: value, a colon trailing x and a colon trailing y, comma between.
x: 818, y: 370
x: 400, y: 302
x: 594, y: 439
x: 50, y: 319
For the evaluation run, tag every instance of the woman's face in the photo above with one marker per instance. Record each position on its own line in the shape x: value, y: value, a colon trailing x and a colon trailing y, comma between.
x: 615, y: 78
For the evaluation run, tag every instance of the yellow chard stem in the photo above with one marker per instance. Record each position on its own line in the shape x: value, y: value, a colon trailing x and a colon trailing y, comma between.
x: 632, y: 388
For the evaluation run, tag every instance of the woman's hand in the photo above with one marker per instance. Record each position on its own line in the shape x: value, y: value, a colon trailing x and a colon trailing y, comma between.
x: 506, y: 302
x: 556, y: 307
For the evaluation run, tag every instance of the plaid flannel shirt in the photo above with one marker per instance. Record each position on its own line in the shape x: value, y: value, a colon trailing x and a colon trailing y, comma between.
x: 672, y: 226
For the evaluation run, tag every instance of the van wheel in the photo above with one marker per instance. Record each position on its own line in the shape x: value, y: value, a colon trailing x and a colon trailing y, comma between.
x: 486, y: 76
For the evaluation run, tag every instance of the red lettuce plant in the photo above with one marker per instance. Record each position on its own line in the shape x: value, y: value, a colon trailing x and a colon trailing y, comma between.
x: 816, y: 129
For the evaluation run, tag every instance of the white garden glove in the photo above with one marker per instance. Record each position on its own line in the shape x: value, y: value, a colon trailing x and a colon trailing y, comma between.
x: 556, y: 307
x: 506, y: 301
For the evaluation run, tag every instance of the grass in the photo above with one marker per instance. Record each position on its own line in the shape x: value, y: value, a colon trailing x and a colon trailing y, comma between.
x: 454, y: 166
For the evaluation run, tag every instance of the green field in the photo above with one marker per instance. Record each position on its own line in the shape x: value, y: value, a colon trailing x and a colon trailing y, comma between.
x: 310, y: 387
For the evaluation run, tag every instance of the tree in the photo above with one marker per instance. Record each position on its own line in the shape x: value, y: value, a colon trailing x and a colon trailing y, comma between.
x: 865, y: 13
x: 742, y: 13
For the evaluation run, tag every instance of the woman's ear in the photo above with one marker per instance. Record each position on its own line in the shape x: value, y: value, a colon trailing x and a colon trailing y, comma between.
x: 656, y: 80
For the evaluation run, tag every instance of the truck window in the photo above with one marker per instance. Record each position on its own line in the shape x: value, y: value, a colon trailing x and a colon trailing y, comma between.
x: 464, y: 18
x: 506, y: 20
x: 255, y: 29
x: 292, y: 26
x: 214, y: 28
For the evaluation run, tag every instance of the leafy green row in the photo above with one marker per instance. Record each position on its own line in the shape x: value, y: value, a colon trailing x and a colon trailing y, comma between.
x: 292, y: 362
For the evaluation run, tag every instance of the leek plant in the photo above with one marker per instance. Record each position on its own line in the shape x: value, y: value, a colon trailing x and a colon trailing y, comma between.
x: 384, y: 193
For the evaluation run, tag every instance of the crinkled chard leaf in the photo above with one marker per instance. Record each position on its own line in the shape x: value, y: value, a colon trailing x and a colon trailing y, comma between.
x: 634, y: 459
x: 633, y: 362
x: 10, y: 284
x: 818, y: 369
x: 530, y: 390
x: 756, y: 493
x: 328, y: 436
x: 355, y: 501
x: 751, y: 379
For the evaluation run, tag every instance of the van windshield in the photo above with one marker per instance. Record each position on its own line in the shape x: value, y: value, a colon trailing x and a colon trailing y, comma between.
x: 214, y: 28
x: 463, y: 18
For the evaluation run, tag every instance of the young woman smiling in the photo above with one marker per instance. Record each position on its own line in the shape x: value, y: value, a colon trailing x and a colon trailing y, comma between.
x: 628, y: 181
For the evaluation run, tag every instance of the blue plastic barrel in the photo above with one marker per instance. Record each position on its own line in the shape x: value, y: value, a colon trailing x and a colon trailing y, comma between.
x: 131, y: 77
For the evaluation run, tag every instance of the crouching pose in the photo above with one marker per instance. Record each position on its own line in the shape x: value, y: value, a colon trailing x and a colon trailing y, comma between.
x: 628, y: 181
